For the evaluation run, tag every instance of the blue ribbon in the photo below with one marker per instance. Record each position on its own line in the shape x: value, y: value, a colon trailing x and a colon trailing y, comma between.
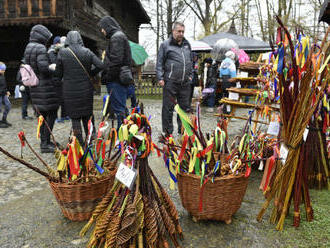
x: 280, y: 59
x: 96, y: 165
x: 167, y: 163
x: 275, y: 87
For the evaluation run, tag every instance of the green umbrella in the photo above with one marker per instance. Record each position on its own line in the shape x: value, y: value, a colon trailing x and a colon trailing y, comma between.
x: 139, y: 55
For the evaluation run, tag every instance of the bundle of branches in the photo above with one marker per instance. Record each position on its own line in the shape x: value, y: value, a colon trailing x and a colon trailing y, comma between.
x: 306, y: 70
x: 315, y: 147
x: 138, y: 213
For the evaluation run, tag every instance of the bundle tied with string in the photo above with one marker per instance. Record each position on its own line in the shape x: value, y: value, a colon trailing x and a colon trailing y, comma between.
x: 138, y: 213
x: 309, y: 76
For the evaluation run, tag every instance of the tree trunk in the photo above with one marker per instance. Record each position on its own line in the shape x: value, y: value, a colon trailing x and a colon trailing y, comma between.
x: 169, y: 17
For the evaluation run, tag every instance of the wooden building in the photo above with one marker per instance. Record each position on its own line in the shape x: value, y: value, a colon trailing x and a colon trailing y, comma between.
x: 18, y: 16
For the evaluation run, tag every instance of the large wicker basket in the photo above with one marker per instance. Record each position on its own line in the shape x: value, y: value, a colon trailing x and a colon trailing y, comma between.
x: 220, y: 199
x: 77, y: 201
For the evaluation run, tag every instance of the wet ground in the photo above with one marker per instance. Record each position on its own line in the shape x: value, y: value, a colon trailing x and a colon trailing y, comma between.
x: 30, y: 216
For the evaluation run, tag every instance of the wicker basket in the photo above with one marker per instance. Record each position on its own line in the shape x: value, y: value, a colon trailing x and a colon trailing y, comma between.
x: 77, y: 201
x: 220, y: 200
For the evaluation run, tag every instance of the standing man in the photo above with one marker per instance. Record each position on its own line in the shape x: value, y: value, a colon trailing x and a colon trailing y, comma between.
x: 118, y: 55
x: 174, y: 74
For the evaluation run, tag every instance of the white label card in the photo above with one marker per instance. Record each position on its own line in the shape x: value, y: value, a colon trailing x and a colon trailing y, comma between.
x: 126, y: 175
x: 228, y: 108
x: 283, y: 153
x: 233, y: 96
x: 305, y: 134
x: 273, y: 128
x: 261, y: 165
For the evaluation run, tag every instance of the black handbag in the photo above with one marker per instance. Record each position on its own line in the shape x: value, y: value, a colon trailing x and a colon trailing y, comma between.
x: 125, y: 75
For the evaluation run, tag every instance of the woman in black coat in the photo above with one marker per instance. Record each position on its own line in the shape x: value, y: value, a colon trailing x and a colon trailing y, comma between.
x: 44, y: 97
x: 78, y: 89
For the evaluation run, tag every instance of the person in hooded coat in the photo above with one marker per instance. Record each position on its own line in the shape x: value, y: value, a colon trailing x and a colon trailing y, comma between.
x: 118, y: 54
x: 78, y: 91
x: 44, y: 97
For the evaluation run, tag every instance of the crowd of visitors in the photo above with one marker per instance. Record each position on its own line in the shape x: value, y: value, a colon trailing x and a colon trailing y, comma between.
x: 62, y: 76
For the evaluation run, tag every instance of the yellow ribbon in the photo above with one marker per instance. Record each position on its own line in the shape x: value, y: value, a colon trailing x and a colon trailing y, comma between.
x: 193, y: 157
x: 40, y: 121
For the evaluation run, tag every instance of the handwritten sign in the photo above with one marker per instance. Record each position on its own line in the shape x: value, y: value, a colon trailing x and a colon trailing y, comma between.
x: 126, y: 175
x: 273, y: 128
x: 233, y: 96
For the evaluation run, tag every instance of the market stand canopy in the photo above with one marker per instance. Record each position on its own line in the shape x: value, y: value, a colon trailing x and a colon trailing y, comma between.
x: 325, y: 12
x: 139, y: 54
x: 249, y: 45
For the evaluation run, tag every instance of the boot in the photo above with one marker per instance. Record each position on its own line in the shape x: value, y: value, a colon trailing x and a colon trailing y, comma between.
x: 4, y: 121
x: 46, y: 148
x: 3, y: 125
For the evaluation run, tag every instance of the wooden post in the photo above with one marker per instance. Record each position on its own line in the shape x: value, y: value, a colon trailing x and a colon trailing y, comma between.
x: 53, y: 8
x: 40, y: 8
x: 5, y: 6
x: 29, y: 7
x: 18, y: 9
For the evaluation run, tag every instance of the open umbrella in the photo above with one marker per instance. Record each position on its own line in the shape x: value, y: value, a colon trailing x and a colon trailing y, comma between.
x: 221, y: 47
x: 139, y: 54
x: 199, y: 46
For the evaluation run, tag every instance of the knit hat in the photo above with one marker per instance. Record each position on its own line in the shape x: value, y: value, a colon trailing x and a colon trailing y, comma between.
x: 2, y: 66
x: 230, y: 54
x: 56, y: 40
x: 63, y: 39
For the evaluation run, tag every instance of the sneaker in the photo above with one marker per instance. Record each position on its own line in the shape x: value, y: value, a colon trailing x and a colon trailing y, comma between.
x: 6, y: 123
x: 59, y: 120
x: 209, y: 110
x: 3, y: 125
x: 27, y: 118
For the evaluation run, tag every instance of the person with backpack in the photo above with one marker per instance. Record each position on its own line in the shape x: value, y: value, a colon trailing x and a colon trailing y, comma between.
x: 75, y: 67
x: 4, y: 97
x: 43, y: 93
x: 117, y: 65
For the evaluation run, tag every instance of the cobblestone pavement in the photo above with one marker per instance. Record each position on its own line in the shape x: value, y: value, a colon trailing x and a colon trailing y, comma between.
x: 30, y: 216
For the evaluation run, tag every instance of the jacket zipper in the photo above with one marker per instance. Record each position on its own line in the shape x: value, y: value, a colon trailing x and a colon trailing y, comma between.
x: 169, y: 75
x: 184, y: 64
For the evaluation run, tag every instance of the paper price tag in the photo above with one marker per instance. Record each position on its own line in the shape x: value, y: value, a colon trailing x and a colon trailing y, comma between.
x: 233, y: 96
x: 261, y: 165
x: 283, y: 153
x: 305, y: 134
x: 228, y: 108
x: 126, y: 175
x: 273, y: 128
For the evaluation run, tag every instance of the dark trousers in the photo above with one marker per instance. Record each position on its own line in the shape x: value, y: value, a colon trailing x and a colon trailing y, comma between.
x: 49, y: 117
x: 118, y: 96
x: 172, y: 92
x: 26, y: 97
x: 131, y: 94
x: 76, y: 127
x: 4, y: 100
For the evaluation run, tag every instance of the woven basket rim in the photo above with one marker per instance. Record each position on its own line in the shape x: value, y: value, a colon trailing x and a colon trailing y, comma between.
x: 226, y: 177
x: 66, y: 185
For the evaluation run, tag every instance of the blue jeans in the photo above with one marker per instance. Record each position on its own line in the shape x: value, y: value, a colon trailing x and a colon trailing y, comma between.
x: 210, y: 100
x: 5, y: 101
x: 131, y: 94
x: 118, y: 95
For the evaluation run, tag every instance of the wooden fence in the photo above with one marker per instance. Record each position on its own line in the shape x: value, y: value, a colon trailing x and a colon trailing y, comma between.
x: 148, y: 88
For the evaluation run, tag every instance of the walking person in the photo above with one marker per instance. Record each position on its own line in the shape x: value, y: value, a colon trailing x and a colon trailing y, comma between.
x: 75, y: 66
x: 26, y: 96
x: 58, y: 44
x: 44, y: 97
x: 117, y: 56
x: 4, y: 97
x: 174, y: 74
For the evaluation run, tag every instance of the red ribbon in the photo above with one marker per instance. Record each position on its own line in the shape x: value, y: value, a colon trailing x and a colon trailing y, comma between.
x: 183, y: 148
x: 21, y: 137
x: 103, y: 150
x: 201, y: 195
x: 206, y: 150
x: 270, y: 167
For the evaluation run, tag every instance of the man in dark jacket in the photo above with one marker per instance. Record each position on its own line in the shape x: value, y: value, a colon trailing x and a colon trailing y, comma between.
x: 77, y: 86
x: 44, y: 97
x: 118, y: 54
x: 174, y: 74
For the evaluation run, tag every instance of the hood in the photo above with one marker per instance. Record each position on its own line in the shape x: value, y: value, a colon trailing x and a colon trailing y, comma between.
x: 110, y: 25
x: 73, y: 38
x: 40, y: 34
